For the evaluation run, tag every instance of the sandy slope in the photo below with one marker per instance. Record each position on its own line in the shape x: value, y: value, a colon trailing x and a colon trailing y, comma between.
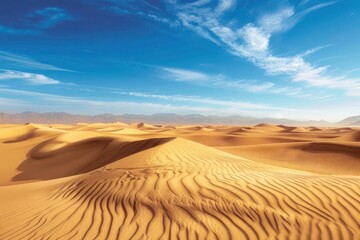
x: 118, y: 181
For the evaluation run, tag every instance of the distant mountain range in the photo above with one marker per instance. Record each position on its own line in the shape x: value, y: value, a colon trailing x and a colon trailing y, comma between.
x: 350, y: 121
x: 166, y: 118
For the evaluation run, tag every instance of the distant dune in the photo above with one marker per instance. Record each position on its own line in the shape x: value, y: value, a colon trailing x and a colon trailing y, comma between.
x: 144, y: 181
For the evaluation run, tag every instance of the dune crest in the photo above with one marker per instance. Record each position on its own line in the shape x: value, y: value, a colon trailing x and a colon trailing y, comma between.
x: 98, y: 182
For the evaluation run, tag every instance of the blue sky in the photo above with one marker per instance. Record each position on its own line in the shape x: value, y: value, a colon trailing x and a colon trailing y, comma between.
x: 283, y: 59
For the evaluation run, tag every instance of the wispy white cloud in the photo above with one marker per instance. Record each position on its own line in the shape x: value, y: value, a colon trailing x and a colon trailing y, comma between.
x: 37, y: 21
x: 31, y: 78
x: 171, y: 23
x: 197, y: 3
x: 256, y: 41
x: 46, y: 96
x: 184, y: 75
x: 221, y: 81
x: 252, y: 42
x: 81, y: 105
x: 33, y: 101
x: 225, y: 5
x: 353, y: 70
x: 313, y: 50
x: 246, y: 85
x: 12, y: 102
x: 286, y: 17
x: 204, y: 100
x: 48, y: 17
x: 26, y: 62
x: 317, y: 7
x: 278, y: 21
x: 138, y: 8
x: 227, y: 107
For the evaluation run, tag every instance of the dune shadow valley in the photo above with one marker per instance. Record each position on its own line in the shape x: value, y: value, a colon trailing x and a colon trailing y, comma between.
x: 143, y: 181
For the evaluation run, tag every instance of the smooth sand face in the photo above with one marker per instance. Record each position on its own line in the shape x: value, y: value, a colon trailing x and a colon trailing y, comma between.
x: 142, y: 181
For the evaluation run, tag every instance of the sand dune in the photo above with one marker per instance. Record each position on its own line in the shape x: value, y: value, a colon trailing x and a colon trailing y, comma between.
x: 353, y: 136
x: 320, y: 157
x: 118, y: 181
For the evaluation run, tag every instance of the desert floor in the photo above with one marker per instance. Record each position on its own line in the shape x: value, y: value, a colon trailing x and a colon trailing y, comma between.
x: 141, y: 181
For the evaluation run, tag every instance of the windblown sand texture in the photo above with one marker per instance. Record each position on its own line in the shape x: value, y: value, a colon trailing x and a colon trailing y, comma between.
x: 140, y: 181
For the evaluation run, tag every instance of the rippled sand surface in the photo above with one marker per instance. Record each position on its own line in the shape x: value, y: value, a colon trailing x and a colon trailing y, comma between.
x: 140, y: 181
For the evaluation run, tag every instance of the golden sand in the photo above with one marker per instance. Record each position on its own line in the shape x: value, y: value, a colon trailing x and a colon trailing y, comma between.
x: 139, y: 181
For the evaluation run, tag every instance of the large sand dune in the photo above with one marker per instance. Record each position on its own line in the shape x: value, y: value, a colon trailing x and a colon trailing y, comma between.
x: 140, y: 181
